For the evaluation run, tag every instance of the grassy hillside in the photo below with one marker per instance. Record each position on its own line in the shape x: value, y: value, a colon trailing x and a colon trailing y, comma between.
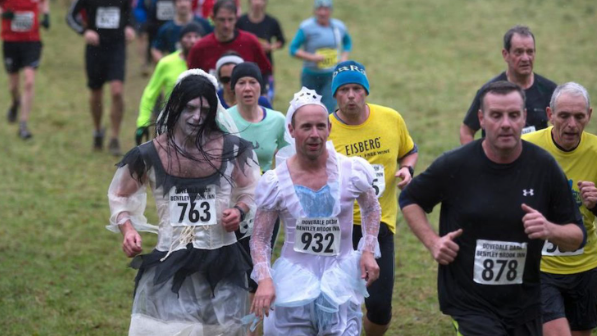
x: 62, y: 273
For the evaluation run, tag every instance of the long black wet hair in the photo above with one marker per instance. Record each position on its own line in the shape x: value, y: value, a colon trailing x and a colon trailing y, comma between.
x: 188, y: 88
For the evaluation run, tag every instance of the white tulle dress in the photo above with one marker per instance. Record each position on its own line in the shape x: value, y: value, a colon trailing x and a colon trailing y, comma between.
x: 316, y: 293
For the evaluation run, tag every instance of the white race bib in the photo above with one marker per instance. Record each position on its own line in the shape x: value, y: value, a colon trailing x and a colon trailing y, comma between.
x: 550, y: 249
x: 379, y: 182
x: 529, y: 129
x: 165, y: 10
x: 201, y: 211
x: 318, y: 236
x: 499, y: 263
x: 22, y: 22
x: 107, y: 18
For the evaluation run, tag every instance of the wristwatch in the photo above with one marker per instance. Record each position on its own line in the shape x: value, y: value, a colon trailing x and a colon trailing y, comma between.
x: 411, y: 170
x: 242, y: 212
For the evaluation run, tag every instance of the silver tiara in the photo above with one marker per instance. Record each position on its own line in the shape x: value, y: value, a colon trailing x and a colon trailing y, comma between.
x: 305, y: 97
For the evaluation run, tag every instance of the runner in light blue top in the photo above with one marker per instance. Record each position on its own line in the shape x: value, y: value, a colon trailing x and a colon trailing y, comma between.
x: 325, y: 43
x: 266, y: 135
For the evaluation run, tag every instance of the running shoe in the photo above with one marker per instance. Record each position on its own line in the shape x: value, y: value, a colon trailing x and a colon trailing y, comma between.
x: 114, y: 147
x: 24, y: 132
x: 12, y: 113
x: 98, y: 140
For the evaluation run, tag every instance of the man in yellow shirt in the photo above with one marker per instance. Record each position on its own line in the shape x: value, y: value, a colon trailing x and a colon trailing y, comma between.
x: 379, y: 135
x: 569, y: 279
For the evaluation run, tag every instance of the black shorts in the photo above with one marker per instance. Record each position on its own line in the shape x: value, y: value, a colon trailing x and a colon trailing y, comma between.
x: 19, y: 55
x: 482, y: 325
x: 379, y: 302
x: 573, y: 296
x: 104, y: 64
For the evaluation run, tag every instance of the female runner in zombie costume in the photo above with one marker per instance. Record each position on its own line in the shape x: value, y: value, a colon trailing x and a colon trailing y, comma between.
x: 202, y: 178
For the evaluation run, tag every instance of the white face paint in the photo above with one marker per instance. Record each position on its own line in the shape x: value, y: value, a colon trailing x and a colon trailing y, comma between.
x: 192, y: 117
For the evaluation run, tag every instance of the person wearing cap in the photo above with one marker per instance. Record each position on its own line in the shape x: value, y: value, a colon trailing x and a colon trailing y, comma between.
x: 262, y: 126
x: 224, y: 68
x: 166, y: 41
x: 317, y: 285
x: 164, y: 77
x: 379, y: 135
x: 325, y: 42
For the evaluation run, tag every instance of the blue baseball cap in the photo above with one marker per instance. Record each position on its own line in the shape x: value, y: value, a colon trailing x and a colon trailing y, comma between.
x: 349, y: 72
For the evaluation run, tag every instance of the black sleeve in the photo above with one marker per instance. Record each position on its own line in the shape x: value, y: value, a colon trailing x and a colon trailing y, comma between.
x: 471, y: 119
x: 427, y: 189
x: 73, y: 19
x: 127, y: 13
x: 562, y: 207
x: 278, y: 33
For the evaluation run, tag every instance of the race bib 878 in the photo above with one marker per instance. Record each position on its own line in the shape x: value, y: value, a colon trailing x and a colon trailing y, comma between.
x: 499, y: 262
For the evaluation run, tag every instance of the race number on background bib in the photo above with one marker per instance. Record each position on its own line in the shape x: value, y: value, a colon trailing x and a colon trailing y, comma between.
x: 529, y: 129
x: 330, y: 58
x: 184, y: 212
x: 165, y: 10
x: 318, y: 236
x: 499, y: 263
x: 379, y: 182
x: 107, y: 18
x: 550, y: 249
x: 22, y: 22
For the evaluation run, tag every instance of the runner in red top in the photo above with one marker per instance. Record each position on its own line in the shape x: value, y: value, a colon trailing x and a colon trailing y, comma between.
x: 21, y: 48
x: 225, y: 37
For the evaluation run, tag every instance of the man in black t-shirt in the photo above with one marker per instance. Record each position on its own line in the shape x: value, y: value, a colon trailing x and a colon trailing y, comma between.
x: 501, y: 199
x: 268, y: 31
x: 519, y: 54
x: 107, y: 27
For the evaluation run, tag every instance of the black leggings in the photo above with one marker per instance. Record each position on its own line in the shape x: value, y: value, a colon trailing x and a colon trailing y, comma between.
x: 379, y: 302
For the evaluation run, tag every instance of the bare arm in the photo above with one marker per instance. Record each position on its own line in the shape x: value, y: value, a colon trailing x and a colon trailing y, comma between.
x: 467, y: 134
x: 443, y: 249
x: 307, y: 56
x: 403, y: 173
x: 156, y: 54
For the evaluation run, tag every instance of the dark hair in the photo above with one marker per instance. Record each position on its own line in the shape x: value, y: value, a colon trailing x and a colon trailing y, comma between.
x: 189, y: 88
x: 500, y: 88
x: 224, y: 4
x: 518, y: 29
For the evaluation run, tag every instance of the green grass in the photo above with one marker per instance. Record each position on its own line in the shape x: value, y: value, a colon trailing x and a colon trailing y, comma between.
x: 62, y: 273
